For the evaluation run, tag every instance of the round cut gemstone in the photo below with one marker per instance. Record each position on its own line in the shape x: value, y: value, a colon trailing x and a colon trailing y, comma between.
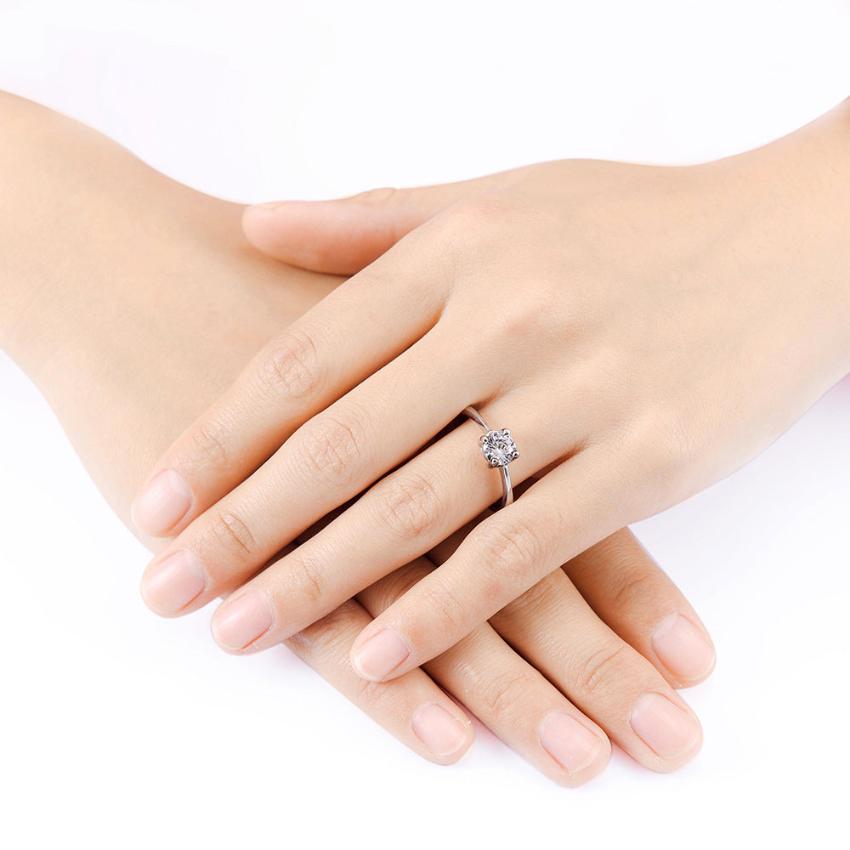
x: 498, y: 447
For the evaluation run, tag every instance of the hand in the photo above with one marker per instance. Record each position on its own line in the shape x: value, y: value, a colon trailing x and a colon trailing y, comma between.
x: 643, y: 331
x: 101, y: 368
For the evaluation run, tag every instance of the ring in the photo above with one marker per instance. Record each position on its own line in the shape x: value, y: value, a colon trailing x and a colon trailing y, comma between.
x: 499, y: 449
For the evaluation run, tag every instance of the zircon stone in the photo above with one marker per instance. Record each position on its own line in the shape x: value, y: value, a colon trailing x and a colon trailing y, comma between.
x: 499, y: 448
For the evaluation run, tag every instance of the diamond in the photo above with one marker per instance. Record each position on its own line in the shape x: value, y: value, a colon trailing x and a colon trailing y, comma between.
x: 498, y: 447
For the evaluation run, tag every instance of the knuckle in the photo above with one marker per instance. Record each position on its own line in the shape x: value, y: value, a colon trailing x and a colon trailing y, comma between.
x: 510, y: 548
x: 535, y: 602
x: 603, y: 664
x: 472, y: 230
x: 306, y: 574
x: 327, y: 639
x: 291, y: 367
x: 208, y: 444
x: 445, y: 612
x: 379, y: 697
x: 538, y: 314
x: 233, y: 534
x: 634, y: 588
x: 382, y: 196
x: 331, y: 448
x: 505, y: 694
x: 461, y: 238
x: 392, y: 587
x: 518, y: 323
x: 479, y: 209
x: 410, y: 505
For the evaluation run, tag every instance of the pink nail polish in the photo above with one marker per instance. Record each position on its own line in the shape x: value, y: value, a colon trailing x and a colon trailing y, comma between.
x: 240, y: 621
x: 665, y: 728
x: 439, y: 730
x: 573, y: 746
x: 162, y: 504
x: 170, y: 585
x: 684, y: 649
x: 379, y: 655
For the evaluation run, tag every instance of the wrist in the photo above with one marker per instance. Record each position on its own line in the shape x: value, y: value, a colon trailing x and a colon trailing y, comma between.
x: 795, y: 200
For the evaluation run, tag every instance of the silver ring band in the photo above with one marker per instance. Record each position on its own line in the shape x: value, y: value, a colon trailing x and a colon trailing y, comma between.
x: 499, y: 450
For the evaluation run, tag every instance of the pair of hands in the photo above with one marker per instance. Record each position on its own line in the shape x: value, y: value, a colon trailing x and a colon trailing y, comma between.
x: 785, y: 197
x: 634, y: 326
x: 587, y: 633
x: 597, y: 656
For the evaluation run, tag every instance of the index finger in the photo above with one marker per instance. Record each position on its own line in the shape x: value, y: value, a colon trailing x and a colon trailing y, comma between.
x: 301, y: 371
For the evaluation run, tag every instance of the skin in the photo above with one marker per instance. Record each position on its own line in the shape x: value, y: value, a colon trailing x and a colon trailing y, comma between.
x: 132, y: 301
x: 644, y: 331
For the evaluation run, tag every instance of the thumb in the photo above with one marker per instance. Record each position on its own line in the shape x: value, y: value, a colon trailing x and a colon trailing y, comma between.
x: 343, y: 236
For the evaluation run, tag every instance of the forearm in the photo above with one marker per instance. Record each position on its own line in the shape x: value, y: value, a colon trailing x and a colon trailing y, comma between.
x: 131, y: 300
x: 72, y: 205
x: 795, y: 208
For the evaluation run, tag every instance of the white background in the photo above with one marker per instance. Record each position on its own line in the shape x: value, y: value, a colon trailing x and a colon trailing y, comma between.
x: 120, y: 730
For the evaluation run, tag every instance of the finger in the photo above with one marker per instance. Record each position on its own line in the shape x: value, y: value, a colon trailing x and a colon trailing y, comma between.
x: 629, y: 591
x: 557, y: 631
x: 412, y: 708
x: 507, y: 694
x: 343, y: 236
x: 570, y: 509
x: 552, y: 626
x: 330, y: 459
x: 311, y: 364
x: 401, y: 517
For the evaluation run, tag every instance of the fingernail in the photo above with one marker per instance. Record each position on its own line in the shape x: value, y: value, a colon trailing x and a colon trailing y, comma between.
x: 170, y: 585
x: 569, y: 742
x: 239, y: 622
x: 162, y: 504
x: 439, y: 730
x: 380, y: 655
x: 664, y: 727
x: 684, y: 649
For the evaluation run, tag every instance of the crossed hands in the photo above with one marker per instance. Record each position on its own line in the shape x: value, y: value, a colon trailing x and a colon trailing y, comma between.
x: 642, y: 332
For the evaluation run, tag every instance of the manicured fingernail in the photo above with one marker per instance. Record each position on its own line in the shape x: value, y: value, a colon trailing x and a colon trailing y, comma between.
x: 569, y: 742
x: 170, y: 585
x: 684, y: 649
x: 240, y: 621
x: 442, y: 733
x: 664, y: 727
x: 380, y: 655
x: 162, y: 504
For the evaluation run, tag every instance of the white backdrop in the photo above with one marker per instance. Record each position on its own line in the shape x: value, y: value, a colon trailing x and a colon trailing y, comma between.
x: 121, y: 730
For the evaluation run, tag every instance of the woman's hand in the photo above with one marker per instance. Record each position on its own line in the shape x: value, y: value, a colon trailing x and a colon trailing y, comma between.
x: 131, y: 300
x: 643, y: 331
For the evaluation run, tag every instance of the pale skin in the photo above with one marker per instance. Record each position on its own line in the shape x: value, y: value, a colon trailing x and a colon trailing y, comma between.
x: 643, y: 331
x: 132, y: 302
